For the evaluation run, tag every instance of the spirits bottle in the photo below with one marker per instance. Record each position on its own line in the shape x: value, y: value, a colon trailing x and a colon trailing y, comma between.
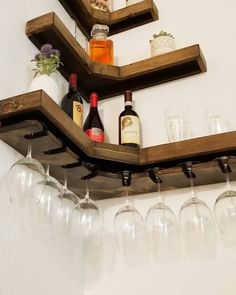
x: 72, y: 102
x: 129, y: 125
x: 93, y: 125
x: 101, y: 48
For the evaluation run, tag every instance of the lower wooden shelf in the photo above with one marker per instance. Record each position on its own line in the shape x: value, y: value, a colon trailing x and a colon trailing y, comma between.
x: 57, y: 140
x: 110, y: 80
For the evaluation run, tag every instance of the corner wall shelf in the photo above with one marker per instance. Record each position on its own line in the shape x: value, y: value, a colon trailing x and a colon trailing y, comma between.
x: 109, y: 80
x: 118, y: 20
x: 57, y: 140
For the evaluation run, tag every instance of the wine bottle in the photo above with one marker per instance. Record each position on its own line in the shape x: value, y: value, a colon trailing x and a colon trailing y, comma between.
x: 93, y: 125
x: 129, y: 125
x: 72, y: 102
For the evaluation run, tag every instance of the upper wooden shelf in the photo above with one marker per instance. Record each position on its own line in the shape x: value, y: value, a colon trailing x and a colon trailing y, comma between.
x: 57, y: 140
x: 109, y: 80
x: 118, y: 20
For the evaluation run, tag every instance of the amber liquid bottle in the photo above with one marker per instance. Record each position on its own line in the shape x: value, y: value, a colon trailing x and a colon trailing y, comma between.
x: 129, y: 124
x: 72, y: 102
x: 93, y: 125
x: 101, y: 48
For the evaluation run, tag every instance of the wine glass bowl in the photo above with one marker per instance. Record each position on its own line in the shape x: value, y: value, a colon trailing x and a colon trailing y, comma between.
x: 197, y: 224
x: 90, y: 216
x: 198, y: 229
x: 162, y: 226
x: 21, y: 180
x: 132, y: 236
x: 163, y: 229
x: 225, y: 212
x: 47, y: 203
x: 65, y: 217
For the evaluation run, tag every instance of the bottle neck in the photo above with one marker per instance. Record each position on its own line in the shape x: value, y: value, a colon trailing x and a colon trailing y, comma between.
x: 100, y: 36
x: 72, y: 82
x: 93, y: 100
x: 128, y: 105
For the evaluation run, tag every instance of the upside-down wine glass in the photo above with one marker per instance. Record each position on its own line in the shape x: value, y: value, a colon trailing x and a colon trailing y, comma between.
x: 22, y: 178
x: 162, y: 226
x: 90, y: 217
x: 48, y: 202
x: 65, y: 216
x: 197, y: 224
x: 130, y: 230
x: 225, y: 207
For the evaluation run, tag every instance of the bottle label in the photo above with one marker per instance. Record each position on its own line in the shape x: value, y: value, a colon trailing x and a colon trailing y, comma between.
x: 130, y: 132
x: 78, y: 113
x: 95, y: 134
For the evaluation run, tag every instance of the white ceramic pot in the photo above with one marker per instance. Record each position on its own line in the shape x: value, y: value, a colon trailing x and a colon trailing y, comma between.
x: 162, y: 44
x: 48, y: 84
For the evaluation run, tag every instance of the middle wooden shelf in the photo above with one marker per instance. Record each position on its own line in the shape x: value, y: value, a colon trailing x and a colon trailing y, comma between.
x: 111, y: 80
x: 58, y: 141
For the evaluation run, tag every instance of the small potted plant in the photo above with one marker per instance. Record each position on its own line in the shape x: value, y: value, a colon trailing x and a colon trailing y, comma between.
x: 162, y: 43
x: 47, y: 62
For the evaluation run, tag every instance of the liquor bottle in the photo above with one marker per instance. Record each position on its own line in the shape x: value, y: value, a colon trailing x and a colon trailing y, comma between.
x: 93, y: 125
x: 72, y: 102
x: 129, y: 125
x: 101, y: 48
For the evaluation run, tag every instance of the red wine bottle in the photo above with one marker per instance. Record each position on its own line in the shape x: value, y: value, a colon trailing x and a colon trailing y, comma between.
x: 129, y: 125
x: 93, y: 125
x: 72, y: 102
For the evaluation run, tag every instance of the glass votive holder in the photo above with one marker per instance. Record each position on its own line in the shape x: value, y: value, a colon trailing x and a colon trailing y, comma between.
x: 216, y: 123
x: 178, y: 127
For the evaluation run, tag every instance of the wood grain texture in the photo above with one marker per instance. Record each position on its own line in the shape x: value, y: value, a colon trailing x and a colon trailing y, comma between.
x: 110, y: 80
x: 118, y: 20
x: 57, y: 140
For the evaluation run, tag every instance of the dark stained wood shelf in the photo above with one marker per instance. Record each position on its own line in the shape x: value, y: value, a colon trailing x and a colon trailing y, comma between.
x: 57, y: 140
x: 118, y: 20
x: 109, y: 80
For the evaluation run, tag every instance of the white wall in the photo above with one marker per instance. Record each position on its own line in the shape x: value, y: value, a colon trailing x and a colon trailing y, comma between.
x: 30, y: 263
x: 32, y: 266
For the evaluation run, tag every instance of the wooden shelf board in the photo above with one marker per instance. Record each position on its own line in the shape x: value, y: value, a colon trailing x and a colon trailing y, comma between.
x: 118, y: 20
x: 63, y: 145
x: 110, y: 80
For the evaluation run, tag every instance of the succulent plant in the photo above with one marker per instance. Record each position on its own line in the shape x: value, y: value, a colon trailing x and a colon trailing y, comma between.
x: 163, y: 33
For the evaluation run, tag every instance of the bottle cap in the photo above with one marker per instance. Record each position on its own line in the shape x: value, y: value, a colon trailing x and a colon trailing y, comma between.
x: 73, y: 79
x: 93, y: 99
x: 128, y: 95
x: 99, y: 29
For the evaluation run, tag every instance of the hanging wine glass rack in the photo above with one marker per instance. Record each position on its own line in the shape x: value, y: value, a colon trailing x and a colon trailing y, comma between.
x: 58, y: 141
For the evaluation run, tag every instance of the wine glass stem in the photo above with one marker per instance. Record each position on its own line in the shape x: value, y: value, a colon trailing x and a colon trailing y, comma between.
x: 192, y: 188
x: 29, y: 150
x: 47, y: 169
x: 160, y: 198
x: 227, y: 180
x: 126, y: 196
x: 87, y: 190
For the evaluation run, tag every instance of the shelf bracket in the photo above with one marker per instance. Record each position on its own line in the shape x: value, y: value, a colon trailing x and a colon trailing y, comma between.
x: 126, y: 177
x: 41, y: 133
x: 223, y: 163
x: 153, y: 174
x: 188, y: 169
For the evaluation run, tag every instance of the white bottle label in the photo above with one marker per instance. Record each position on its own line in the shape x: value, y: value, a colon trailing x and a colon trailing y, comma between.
x: 130, y: 131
